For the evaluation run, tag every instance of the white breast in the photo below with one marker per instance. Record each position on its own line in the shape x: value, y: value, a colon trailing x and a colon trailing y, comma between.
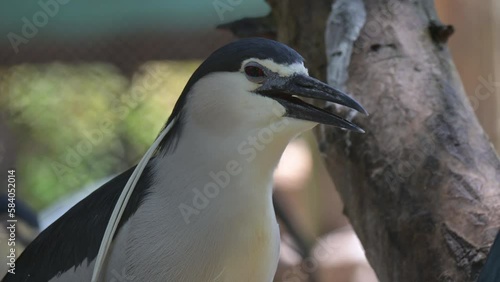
x: 232, y: 238
x: 188, y: 230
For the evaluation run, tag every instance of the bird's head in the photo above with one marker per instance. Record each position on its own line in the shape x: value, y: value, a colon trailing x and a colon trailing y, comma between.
x: 255, y: 81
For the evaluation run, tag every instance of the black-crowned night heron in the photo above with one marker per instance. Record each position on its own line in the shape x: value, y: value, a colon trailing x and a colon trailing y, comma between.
x: 198, y: 207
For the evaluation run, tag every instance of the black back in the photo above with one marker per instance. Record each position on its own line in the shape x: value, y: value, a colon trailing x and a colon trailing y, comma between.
x: 77, y: 234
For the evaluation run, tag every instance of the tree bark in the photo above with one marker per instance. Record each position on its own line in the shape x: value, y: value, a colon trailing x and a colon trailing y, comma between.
x: 422, y: 186
x: 474, y: 55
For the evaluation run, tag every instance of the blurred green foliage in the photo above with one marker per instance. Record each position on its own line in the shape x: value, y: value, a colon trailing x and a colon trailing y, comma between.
x: 75, y: 124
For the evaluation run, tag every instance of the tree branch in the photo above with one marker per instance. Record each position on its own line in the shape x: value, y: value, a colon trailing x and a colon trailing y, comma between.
x: 422, y: 186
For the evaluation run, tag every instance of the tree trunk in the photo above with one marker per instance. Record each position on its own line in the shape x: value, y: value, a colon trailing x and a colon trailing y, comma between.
x: 422, y: 186
x: 474, y: 49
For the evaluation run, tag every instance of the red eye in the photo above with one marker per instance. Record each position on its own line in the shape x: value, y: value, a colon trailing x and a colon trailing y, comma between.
x: 254, y: 71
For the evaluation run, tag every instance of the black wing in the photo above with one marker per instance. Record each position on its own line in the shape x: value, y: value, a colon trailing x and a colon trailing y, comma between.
x: 491, y: 269
x: 77, y: 234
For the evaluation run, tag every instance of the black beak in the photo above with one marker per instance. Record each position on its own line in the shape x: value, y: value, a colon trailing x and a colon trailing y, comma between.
x: 285, y: 89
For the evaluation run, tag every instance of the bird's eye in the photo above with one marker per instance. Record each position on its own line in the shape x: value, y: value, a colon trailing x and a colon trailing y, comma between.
x: 255, y: 73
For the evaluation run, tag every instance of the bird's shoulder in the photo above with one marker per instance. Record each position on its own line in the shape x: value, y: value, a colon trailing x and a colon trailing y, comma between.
x: 76, y: 236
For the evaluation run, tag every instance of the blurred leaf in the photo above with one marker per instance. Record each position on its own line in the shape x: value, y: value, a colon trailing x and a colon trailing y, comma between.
x: 78, y: 123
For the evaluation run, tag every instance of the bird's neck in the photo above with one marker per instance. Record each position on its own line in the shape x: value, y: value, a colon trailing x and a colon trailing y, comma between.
x: 230, y: 170
x: 215, y: 189
x: 252, y: 148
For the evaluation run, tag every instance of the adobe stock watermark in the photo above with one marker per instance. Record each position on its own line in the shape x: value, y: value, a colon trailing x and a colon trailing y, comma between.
x: 248, y: 150
x: 121, y: 277
x: 399, y: 173
x: 223, y: 6
x: 38, y: 20
x: 75, y: 155
x: 484, y: 90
